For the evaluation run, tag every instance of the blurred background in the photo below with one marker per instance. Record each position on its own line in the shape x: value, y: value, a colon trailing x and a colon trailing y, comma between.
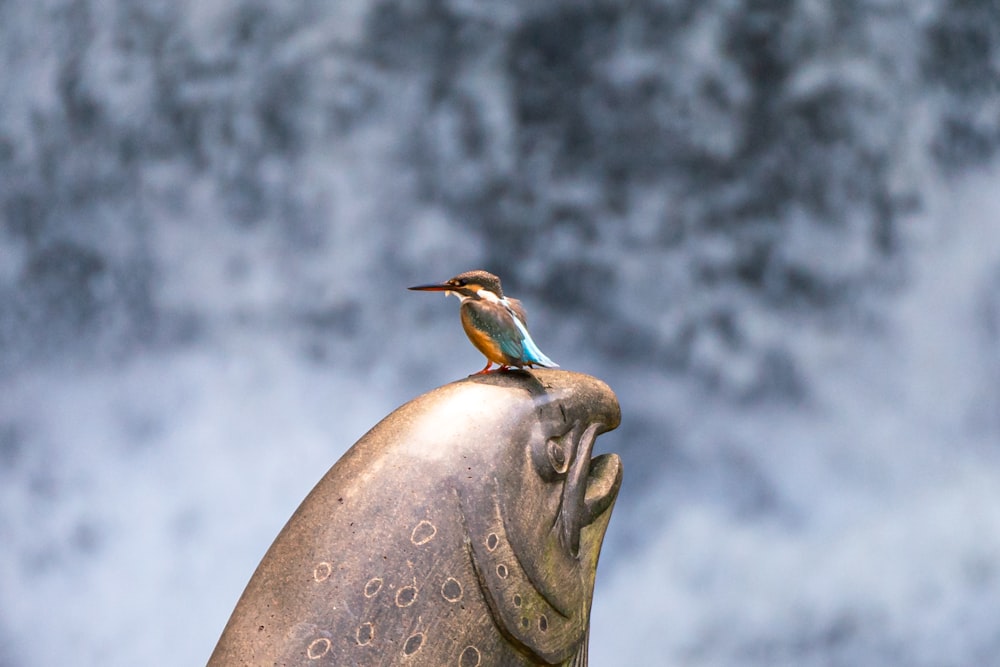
x: 772, y: 226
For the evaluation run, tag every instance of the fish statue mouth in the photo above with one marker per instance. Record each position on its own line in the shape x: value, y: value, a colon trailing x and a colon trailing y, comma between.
x: 535, y: 545
x: 591, y: 488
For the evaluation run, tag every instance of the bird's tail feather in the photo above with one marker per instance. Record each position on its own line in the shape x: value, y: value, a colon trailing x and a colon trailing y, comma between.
x: 531, y: 352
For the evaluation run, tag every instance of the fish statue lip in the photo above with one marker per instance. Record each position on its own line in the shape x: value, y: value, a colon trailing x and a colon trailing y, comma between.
x: 464, y: 528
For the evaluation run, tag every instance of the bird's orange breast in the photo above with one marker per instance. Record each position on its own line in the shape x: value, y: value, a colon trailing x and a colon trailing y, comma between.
x: 483, y: 342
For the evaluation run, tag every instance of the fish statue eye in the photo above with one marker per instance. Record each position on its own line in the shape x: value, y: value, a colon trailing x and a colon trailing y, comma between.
x: 551, y: 458
x: 557, y: 456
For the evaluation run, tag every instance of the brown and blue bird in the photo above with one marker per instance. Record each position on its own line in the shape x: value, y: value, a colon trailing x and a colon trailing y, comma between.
x: 496, y: 324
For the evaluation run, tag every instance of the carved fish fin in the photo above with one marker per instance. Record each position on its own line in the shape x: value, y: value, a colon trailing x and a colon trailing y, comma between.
x: 520, y: 611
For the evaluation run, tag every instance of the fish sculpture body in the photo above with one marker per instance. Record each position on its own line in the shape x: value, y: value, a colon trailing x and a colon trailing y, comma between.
x: 464, y: 529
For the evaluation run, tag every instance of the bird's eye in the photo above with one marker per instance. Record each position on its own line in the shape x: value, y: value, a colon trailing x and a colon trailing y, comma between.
x: 461, y: 282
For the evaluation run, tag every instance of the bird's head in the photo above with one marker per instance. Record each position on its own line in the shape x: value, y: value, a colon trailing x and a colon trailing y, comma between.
x: 468, y: 284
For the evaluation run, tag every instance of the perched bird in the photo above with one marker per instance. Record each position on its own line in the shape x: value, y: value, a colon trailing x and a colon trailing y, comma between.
x: 496, y: 324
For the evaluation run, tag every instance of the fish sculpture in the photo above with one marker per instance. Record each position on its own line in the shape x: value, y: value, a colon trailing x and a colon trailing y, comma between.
x: 464, y: 529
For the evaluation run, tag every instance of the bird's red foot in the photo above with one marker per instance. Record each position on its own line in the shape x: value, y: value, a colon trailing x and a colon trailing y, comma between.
x: 487, y: 371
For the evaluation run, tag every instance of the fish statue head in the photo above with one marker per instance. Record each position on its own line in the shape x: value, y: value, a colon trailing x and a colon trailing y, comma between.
x: 463, y: 529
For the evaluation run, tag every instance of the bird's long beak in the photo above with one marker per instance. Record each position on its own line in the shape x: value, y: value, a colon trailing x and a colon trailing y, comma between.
x: 432, y: 288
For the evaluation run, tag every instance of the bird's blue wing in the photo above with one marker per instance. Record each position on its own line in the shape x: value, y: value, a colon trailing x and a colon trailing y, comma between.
x: 498, y: 325
x: 505, y: 329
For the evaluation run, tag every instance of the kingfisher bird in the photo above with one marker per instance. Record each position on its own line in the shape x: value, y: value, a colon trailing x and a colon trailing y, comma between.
x: 496, y: 324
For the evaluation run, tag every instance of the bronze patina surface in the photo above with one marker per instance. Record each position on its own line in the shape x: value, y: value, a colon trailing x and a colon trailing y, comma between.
x: 464, y: 529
